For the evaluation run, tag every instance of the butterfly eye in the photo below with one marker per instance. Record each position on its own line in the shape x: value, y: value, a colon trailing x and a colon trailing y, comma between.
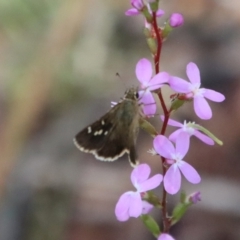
x: 137, y: 95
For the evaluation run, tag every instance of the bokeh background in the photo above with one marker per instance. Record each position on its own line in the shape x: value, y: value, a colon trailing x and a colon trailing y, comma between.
x: 58, y: 65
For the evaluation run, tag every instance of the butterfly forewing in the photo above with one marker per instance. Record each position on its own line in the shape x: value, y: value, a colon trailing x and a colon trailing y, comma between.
x: 91, y: 137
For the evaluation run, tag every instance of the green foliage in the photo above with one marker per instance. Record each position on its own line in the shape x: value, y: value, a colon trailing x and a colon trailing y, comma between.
x: 151, y: 224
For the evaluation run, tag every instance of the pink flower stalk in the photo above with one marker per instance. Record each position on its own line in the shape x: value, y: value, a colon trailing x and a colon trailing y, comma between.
x: 148, y: 84
x: 165, y: 236
x: 174, y: 157
x: 193, y: 91
x: 187, y: 127
x: 138, y: 6
x: 176, y: 20
x: 130, y: 204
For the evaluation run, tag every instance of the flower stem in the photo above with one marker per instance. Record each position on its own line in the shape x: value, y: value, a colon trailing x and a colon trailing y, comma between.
x: 159, y: 43
x: 166, y: 220
x: 157, y: 58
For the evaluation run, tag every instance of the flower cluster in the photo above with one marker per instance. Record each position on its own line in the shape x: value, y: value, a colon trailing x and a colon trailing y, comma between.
x: 138, y: 8
x: 172, y: 150
x: 192, y: 91
x: 130, y: 204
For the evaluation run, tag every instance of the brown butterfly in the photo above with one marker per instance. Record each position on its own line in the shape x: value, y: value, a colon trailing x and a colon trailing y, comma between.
x: 115, y: 133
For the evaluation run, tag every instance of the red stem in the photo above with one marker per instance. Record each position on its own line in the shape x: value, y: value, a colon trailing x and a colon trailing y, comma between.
x: 166, y: 221
x: 157, y: 59
x: 159, y: 42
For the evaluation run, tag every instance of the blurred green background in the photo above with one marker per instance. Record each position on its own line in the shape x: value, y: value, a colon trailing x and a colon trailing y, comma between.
x: 58, y: 65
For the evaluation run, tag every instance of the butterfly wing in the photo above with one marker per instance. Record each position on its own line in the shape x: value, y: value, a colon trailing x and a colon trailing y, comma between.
x: 92, y: 137
x: 112, y: 135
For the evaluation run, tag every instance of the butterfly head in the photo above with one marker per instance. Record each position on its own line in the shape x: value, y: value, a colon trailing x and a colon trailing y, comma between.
x: 131, y: 93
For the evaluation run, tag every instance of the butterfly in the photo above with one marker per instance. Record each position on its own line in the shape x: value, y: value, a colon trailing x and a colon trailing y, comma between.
x: 115, y: 133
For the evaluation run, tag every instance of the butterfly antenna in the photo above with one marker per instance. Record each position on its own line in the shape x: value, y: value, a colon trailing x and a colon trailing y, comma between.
x: 119, y: 77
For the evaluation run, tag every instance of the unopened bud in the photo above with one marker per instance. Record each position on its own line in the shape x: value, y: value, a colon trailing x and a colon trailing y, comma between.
x: 194, y: 197
x: 176, y: 20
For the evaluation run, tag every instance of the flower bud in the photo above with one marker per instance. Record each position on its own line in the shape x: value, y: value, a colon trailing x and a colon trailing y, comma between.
x: 152, y: 45
x: 176, y: 20
x: 194, y: 197
x: 138, y: 4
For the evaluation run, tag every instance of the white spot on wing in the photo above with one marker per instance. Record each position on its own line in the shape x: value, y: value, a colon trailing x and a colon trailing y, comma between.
x: 106, y: 133
x: 89, y: 129
x: 98, y: 132
x: 102, y: 122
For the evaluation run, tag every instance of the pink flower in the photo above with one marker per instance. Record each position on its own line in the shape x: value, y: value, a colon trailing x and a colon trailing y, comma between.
x: 130, y: 204
x: 176, y: 20
x: 187, y: 127
x: 193, y: 91
x: 148, y: 84
x: 138, y: 6
x: 165, y: 236
x: 174, y: 156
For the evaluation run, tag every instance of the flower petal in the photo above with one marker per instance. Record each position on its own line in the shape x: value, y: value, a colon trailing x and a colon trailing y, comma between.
x: 159, y: 12
x: 189, y: 172
x: 151, y: 183
x: 140, y: 174
x: 145, y: 96
x: 122, y: 207
x: 165, y: 236
x: 144, y: 70
x: 150, y: 110
x: 149, y: 104
x: 213, y: 95
x: 174, y: 135
x: 202, y: 108
x: 182, y: 143
x: 179, y: 85
x: 193, y: 73
x: 163, y: 146
x: 132, y: 12
x: 158, y: 80
x: 146, y: 207
x: 176, y: 20
x: 172, y: 179
x: 135, y: 208
x: 194, y: 197
x: 172, y: 122
x: 138, y: 4
x: 203, y: 137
